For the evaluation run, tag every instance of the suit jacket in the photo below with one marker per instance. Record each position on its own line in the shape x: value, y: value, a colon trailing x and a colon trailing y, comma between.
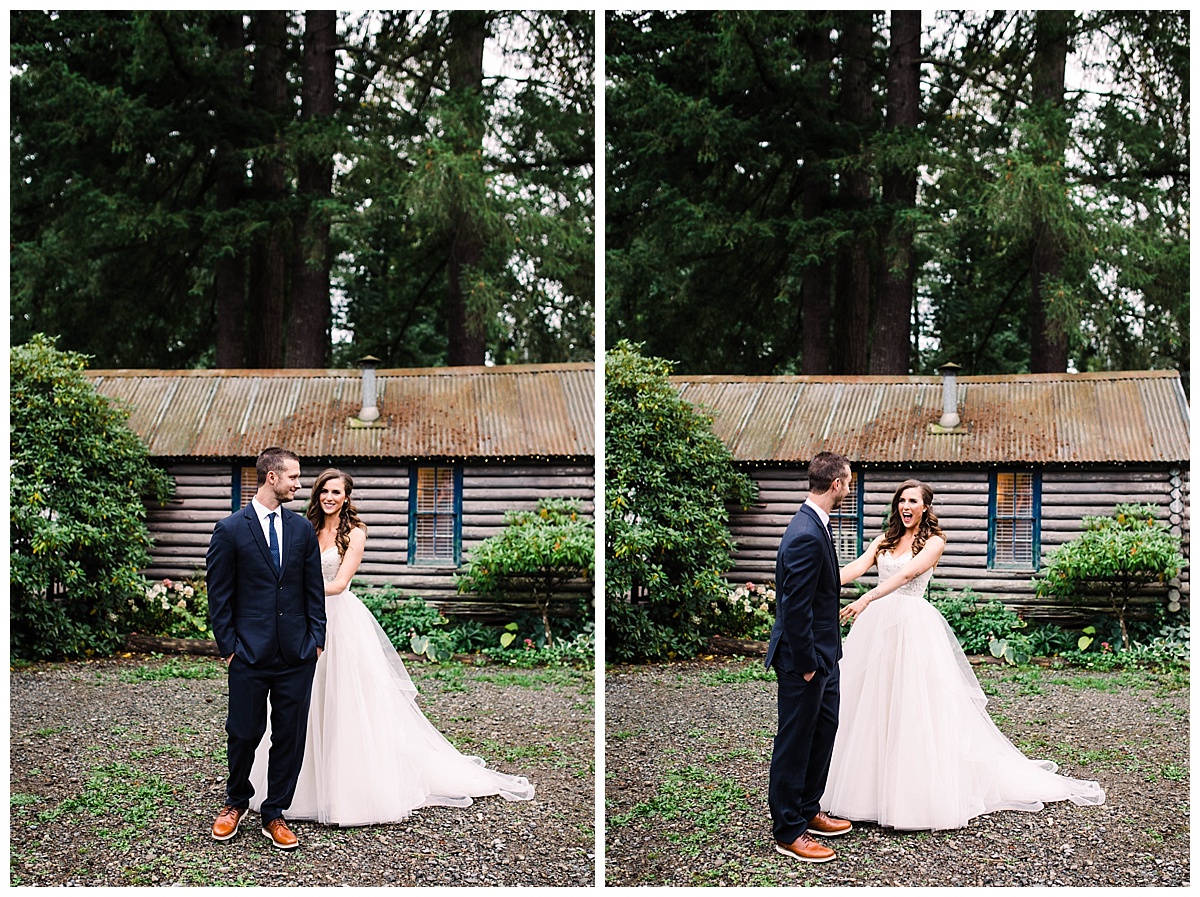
x: 257, y: 612
x: 806, y: 635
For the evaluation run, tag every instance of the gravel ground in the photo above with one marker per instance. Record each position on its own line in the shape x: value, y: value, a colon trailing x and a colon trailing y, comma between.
x: 688, y: 749
x: 116, y: 778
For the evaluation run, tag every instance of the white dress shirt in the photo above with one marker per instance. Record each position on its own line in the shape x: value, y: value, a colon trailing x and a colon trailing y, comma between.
x: 820, y: 511
x: 262, y: 511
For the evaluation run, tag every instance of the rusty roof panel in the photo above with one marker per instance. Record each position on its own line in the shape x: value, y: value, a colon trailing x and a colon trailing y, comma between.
x: 508, y: 411
x: 1121, y: 417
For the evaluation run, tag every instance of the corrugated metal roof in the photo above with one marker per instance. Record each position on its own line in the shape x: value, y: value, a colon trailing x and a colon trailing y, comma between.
x: 1128, y: 417
x: 465, y: 412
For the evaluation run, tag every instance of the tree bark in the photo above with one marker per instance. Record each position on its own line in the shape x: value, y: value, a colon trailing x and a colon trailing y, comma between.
x: 891, y: 346
x: 230, y: 273
x: 309, y: 323
x: 817, y: 280
x: 852, y: 305
x: 1048, y: 347
x: 468, y: 31
x: 268, y: 269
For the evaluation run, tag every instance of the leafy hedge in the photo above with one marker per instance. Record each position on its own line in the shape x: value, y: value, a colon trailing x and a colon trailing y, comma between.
x: 79, y: 481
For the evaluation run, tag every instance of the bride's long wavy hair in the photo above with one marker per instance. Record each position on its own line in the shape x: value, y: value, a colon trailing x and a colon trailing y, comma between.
x: 926, y: 528
x: 347, y: 519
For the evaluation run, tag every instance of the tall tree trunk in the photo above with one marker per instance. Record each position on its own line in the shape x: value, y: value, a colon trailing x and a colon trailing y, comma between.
x: 468, y: 31
x: 309, y: 323
x: 891, y: 346
x: 230, y: 273
x: 268, y: 268
x: 817, y: 281
x: 852, y: 306
x: 1048, y: 340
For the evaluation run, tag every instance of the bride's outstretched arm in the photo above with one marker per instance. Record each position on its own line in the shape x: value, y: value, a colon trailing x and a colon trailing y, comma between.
x: 924, y: 560
x: 862, y: 563
x: 350, y: 562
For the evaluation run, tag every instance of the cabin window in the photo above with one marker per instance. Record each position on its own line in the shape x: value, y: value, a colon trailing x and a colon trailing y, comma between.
x: 1014, y: 524
x: 435, y: 515
x: 245, y: 485
x: 846, y: 523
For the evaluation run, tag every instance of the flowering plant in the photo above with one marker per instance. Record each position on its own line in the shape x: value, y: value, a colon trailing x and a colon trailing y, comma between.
x: 748, y: 611
x: 174, y: 608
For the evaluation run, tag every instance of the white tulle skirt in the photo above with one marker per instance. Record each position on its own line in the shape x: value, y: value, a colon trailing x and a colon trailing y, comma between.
x: 915, y: 747
x: 370, y: 755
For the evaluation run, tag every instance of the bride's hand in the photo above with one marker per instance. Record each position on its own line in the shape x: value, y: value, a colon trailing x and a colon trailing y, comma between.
x: 850, y: 612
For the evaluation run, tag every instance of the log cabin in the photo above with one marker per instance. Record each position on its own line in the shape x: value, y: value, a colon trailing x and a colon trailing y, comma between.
x: 437, y: 456
x: 1015, y: 461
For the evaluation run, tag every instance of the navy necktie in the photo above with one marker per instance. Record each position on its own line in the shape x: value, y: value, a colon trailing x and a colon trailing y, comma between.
x: 274, y: 541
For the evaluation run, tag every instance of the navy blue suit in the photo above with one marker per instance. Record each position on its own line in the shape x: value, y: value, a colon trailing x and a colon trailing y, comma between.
x: 272, y: 621
x: 806, y: 638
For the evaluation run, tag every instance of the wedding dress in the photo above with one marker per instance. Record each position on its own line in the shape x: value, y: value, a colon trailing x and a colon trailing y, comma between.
x: 915, y: 747
x: 370, y: 755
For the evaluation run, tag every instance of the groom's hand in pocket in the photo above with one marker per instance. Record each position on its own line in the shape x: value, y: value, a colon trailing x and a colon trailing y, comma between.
x: 808, y: 676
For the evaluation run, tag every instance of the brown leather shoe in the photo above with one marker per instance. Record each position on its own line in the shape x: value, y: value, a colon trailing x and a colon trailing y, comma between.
x: 828, y: 827
x: 227, y: 822
x: 806, y: 850
x: 279, y: 833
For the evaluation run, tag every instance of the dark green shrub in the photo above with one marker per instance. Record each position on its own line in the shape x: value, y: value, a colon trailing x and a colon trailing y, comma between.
x: 667, y: 541
x: 976, y: 622
x: 79, y: 481
x: 409, y: 623
x: 535, y: 555
x: 1114, y: 559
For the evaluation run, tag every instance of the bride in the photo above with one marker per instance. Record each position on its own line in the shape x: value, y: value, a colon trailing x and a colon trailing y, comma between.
x: 370, y: 755
x: 915, y: 747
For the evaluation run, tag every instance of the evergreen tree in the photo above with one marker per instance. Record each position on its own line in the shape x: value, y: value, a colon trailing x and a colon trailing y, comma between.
x: 175, y: 199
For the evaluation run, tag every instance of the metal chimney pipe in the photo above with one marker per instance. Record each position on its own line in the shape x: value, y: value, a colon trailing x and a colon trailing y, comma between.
x: 369, y: 412
x: 950, y: 418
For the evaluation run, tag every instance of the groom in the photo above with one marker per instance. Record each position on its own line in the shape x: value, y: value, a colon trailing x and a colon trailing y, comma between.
x: 806, y: 644
x: 266, y: 601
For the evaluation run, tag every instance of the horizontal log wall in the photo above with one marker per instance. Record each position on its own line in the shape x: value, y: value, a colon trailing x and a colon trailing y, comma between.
x: 961, y: 503
x: 203, y: 496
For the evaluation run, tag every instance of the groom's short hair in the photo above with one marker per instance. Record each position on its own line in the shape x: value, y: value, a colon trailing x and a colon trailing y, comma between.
x: 272, y: 459
x: 823, y: 469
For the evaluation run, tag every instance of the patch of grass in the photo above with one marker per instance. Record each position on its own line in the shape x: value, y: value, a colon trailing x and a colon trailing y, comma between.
x: 1028, y: 681
x: 706, y: 799
x: 1174, y: 773
x: 17, y: 799
x: 623, y: 735
x: 173, y: 669
x: 448, y: 675
x: 1167, y: 710
x: 168, y: 750
x: 115, y: 792
x: 751, y: 672
x: 1102, y: 756
x: 1171, y: 680
x: 46, y: 733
